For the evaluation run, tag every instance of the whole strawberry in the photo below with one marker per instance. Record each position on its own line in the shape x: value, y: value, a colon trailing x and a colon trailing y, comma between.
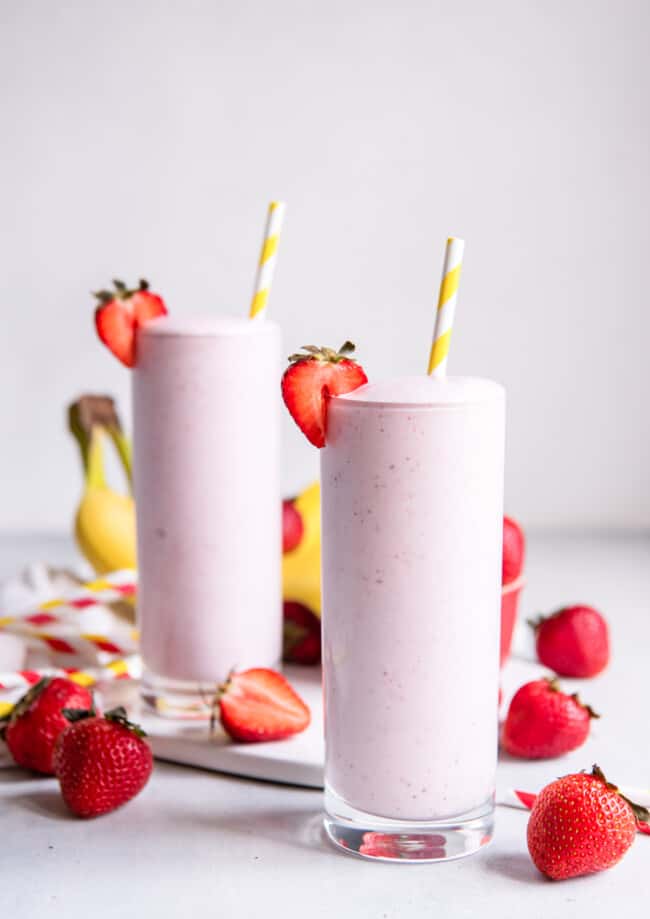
x: 580, y: 824
x: 514, y: 548
x: 543, y: 721
x: 101, y: 762
x: 574, y: 641
x: 301, y: 634
x: 292, y: 526
x: 36, y: 721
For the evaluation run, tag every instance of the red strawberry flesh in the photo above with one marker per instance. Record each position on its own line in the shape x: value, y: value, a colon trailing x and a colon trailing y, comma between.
x: 120, y: 313
x: 260, y: 705
x: 310, y: 381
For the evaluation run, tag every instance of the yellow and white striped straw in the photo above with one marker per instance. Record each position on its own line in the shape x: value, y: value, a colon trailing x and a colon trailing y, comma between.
x: 446, y: 307
x: 268, y: 258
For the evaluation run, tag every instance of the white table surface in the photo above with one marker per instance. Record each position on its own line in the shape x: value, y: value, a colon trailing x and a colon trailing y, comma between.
x: 200, y: 844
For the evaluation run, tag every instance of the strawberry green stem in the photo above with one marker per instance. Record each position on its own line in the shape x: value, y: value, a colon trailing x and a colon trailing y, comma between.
x: 327, y: 355
x: 554, y: 686
x: 118, y: 716
x: 24, y: 703
x: 78, y: 714
x: 641, y: 813
x: 121, y: 291
x: 213, y: 703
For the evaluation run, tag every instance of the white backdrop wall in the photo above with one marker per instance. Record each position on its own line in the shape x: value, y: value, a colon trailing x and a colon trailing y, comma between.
x: 145, y: 139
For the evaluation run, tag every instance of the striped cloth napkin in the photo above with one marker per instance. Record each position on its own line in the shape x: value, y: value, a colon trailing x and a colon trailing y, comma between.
x: 51, y: 623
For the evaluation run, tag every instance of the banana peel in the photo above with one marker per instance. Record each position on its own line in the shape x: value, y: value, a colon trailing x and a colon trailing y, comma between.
x: 301, y: 571
x: 104, y: 525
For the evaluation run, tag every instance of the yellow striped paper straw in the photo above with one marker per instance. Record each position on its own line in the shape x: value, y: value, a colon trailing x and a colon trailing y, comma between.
x: 268, y: 258
x: 446, y: 307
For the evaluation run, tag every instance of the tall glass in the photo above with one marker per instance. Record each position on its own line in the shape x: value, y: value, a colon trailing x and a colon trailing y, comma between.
x: 207, y: 488
x: 412, y: 485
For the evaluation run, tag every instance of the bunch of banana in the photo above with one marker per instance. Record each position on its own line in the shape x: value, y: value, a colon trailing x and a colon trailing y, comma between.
x: 105, y: 520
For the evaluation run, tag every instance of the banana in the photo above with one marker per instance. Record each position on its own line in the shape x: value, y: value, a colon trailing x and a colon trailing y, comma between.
x: 104, y: 525
x: 301, y: 566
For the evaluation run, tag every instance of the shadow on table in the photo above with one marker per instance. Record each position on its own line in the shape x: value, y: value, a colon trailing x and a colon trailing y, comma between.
x: 515, y: 866
x: 12, y: 775
x: 505, y: 757
x: 39, y: 794
x: 302, y: 829
x: 46, y: 802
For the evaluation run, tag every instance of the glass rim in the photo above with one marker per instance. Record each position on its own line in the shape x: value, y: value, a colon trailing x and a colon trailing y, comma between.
x: 338, y: 403
x: 202, y: 326
x: 493, y: 393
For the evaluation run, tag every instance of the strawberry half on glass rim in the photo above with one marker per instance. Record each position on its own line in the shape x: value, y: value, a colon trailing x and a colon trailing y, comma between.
x: 312, y: 378
x: 121, y: 312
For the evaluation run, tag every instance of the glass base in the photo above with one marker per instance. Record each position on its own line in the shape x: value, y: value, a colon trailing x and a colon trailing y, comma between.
x: 177, y: 698
x: 381, y: 839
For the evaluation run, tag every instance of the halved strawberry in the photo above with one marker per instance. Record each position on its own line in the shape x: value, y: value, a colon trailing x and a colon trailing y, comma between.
x: 259, y: 705
x: 311, y: 379
x: 292, y: 526
x: 121, y: 312
x: 301, y: 634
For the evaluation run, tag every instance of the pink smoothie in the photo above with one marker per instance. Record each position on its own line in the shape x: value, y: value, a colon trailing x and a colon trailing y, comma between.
x: 206, y: 431
x: 412, y: 480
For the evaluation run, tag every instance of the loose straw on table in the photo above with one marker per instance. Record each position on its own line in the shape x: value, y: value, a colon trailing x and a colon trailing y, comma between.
x: 268, y: 258
x: 446, y: 307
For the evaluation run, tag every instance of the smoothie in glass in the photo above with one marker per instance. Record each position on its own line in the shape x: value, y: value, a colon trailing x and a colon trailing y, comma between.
x: 412, y: 486
x: 206, y: 468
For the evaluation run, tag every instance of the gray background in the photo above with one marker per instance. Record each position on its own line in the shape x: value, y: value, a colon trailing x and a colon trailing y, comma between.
x: 145, y: 138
